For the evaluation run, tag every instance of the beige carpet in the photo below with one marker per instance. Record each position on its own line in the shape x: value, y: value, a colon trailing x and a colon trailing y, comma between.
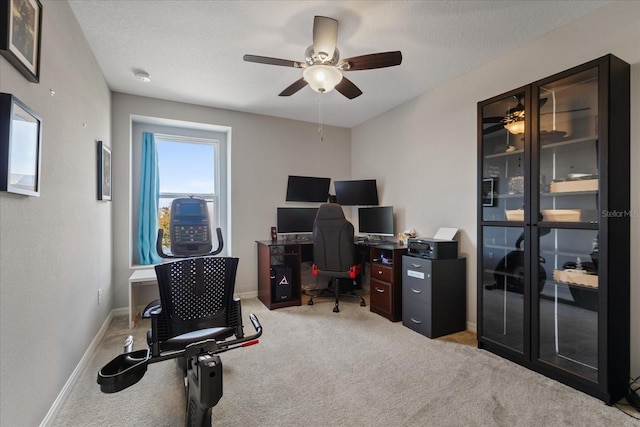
x: 314, y: 367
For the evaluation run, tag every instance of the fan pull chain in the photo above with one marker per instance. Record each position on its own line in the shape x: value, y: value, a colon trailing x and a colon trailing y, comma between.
x: 320, y: 118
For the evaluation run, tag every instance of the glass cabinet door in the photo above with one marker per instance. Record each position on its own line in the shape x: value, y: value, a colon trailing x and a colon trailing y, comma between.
x: 503, y: 286
x: 568, y: 303
x: 503, y: 158
x: 568, y: 149
x: 568, y: 205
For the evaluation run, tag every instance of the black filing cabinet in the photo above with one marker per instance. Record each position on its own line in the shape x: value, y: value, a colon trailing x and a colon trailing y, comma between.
x: 434, y: 298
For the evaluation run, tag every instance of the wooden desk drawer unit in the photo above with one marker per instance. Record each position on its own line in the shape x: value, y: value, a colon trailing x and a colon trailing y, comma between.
x: 434, y: 299
x: 385, y: 285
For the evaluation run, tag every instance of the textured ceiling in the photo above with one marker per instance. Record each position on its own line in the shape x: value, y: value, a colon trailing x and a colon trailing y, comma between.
x: 193, y: 49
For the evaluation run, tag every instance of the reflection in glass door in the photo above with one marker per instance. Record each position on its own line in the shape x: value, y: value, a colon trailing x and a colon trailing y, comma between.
x: 503, y: 158
x: 503, y: 286
x: 568, y: 204
x: 568, y: 306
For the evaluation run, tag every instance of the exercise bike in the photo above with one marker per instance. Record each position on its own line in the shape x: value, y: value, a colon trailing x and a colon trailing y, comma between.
x: 181, y: 328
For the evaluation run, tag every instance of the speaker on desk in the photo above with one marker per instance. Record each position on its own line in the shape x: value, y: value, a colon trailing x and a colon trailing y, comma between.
x: 281, y: 287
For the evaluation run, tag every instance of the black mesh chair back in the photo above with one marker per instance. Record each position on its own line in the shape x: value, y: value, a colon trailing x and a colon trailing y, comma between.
x: 196, y: 296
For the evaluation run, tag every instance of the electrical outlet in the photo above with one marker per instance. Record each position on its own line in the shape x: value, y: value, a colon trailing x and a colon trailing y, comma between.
x: 99, y: 295
x: 490, y: 254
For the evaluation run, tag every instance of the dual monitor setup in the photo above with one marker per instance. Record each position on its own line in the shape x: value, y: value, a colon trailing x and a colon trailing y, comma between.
x: 373, y: 220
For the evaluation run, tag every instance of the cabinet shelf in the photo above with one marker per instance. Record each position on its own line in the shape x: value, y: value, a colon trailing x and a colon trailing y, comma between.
x: 500, y: 247
x: 547, y: 194
x: 510, y: 196
x: 546, y: 146
x: 506, y: 153
x: 568, y: 254
x: 569, y: 193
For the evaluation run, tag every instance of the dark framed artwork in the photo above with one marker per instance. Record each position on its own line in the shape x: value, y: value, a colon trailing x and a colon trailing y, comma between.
x: 20, y: 40
x: 104, y: 172
x: 20, y: 147
x: 489, y: 187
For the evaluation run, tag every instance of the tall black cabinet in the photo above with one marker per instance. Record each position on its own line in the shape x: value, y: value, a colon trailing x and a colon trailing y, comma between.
x: 553, y: 227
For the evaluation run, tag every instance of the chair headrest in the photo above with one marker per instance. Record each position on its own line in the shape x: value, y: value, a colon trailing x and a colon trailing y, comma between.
x: 330, y: 211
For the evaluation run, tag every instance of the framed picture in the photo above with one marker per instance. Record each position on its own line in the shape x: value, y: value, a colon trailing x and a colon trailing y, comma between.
x: 20, y: 41
x: 20, y: 147
x: 104, y: 172
x: 489, y: 187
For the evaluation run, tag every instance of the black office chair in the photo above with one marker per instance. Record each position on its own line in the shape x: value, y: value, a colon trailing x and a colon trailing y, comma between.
x: 334, y: 253
x: 196, y: 320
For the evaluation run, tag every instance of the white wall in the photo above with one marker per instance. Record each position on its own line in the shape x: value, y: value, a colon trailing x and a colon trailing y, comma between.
x: 433, y: 138
x: 55, y: 250
x: 264, y: 152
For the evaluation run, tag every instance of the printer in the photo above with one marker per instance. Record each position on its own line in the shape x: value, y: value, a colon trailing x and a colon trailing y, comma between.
x: 430, y: 248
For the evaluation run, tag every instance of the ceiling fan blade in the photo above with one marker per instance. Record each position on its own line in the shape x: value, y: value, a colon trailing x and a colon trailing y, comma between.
x: 293, y: 88
x: 348, y: 89
x: 325, y: 37
x: 273, y: 61
x: 371, y: 61
x: 495, y: 119
x: 492, y: 129
x: 566, y: 111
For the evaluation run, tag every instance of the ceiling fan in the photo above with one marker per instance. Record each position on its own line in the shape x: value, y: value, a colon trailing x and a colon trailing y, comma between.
x: 513, y: 115
x: 513, y: 120
x: 322, y: 67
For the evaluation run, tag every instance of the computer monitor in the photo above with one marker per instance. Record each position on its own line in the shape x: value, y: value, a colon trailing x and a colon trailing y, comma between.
x: 359, y: 192
x: 376, y: 221
x: 307, y: 189
x: 295, y: 220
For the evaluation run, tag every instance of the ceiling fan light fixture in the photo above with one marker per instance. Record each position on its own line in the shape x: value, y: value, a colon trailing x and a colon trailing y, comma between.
x: 322, y: 78
x: 515, y: 127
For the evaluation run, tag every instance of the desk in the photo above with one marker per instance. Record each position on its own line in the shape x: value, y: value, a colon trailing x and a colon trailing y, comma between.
x: 138, y: 279
x: 290, y: 253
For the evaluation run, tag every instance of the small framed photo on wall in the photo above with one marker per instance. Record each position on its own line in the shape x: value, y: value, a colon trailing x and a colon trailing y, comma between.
x: 21, y: 23
x: 104, y: 172
x: 20, y: 147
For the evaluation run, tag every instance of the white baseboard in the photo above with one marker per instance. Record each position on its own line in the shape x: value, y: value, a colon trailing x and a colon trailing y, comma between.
x: 64, y: 393
x: 247, y: 295
x: 472, y: 326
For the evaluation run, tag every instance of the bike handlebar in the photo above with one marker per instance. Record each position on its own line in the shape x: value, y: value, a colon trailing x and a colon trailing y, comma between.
x: 163, y: 254
x: 211, y: 346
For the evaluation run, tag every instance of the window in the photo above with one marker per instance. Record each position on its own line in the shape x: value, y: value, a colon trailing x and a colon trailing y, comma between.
x: 193, y: 160
x: 188, y: 167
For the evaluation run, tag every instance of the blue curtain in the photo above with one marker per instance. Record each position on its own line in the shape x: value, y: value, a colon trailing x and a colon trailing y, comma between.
x: 148, y: 202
